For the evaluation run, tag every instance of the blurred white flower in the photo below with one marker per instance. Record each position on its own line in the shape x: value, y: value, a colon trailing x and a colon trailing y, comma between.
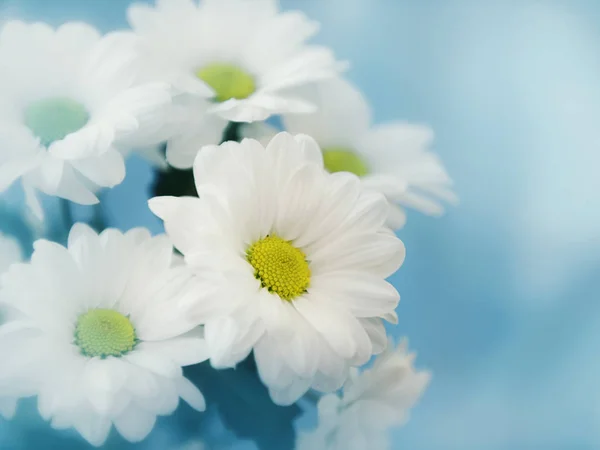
x: 239, y: 59
x: 101, y: 332
x: 194, y: 444
x: 306, y: 251
x: 391, y: 158
x: 67, y: 105
x: 10, y: 253
x: 372, y: 402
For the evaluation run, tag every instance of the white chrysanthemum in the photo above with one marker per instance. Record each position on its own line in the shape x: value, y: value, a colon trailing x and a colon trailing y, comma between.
x: 307, y: 251
x: 10, y: 253
x: 243, y: 55
x: 372, y: 402
x: 391, y: 158
x: 101, y: 331
x: 67, y: 106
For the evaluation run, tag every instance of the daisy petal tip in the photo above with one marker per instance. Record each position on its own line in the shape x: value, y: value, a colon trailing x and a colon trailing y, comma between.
x: 391, y: 317
x: 162, y: 207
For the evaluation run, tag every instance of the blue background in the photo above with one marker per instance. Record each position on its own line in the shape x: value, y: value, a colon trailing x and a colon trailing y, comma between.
x: 499, y: 297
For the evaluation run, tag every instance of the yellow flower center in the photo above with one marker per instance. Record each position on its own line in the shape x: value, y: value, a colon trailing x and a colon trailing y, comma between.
x: 52, y: 119
x: 339, y: 159
x: 104, y: 332
x: 280, y: 267
x: 228, y: 81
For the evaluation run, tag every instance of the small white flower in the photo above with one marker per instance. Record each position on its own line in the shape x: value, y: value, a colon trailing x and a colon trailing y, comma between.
x: 10, y: 253
x: 244, y: 56
x: 372, y: 402
x: 68, y: 105
x: 391, y: 158
x: 307, y: 252
x: 101, y: 332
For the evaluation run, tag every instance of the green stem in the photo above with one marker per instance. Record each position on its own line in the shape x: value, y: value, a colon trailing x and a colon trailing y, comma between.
x: 98, y: 221
x: 67, y: 214
x: 232, y: 132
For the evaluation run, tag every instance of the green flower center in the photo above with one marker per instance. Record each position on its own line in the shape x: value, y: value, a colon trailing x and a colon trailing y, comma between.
x: 54, y: 118
x: 339, y: 159
x: 104, y: 332
x: 228, y: 81
x: 280, y: 267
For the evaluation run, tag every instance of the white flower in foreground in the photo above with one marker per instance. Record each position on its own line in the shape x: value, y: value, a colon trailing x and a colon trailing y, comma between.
x: 10, y: 253
x: 391, y: 158
x: 68, y: 105
x: 102, y: 331
x: 372, y: 402
x: 245, y: 56
x: 307, y: 252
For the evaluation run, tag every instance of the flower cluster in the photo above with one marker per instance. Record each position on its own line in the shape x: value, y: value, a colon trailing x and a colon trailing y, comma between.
x: 372, y: 401
x: 281, y: 251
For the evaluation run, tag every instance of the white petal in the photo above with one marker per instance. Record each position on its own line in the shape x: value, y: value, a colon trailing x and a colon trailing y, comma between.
x: 221, y: 336
x: 104, y: 379
x: 335, y: 325
x: 363, y: 294
x: 343, y: 115
x: 105, y: 170
x: 191, y: 394
x: 380, y: 254
x: 135, y: 423
x: 185, y: 350
x: 10, y: 171
x: 271, y: 367
x: 291, y: 393
x: 396, y: 218
x: 144, y: 357
x: 376, y: 331
x: 93, y: 427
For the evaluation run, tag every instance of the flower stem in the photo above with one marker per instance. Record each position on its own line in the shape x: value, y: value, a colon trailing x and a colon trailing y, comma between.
x: 98, y: 221
x: 232, y: 132
x: 67, y: 214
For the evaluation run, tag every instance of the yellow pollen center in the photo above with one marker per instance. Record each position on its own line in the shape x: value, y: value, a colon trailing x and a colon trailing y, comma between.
x: 280, y: 267
x: 104, y: 332
x: 339, y: 159
x: 228, y: 81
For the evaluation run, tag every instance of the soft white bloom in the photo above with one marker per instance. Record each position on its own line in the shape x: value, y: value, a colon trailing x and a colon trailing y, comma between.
x: 236, y: 59
x: 68, y: 106
x: 101, y: 331
x: 371, y: 403
x: 391, y: 158
x: 194, y: 444
x: 306, y: 251
x: 10, y: 253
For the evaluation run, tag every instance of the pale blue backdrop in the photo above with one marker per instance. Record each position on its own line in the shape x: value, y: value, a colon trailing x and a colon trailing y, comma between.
x: 499, y: 297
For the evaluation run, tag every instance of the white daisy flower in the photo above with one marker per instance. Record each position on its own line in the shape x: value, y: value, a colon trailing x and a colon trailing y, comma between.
x: 245, y: 56
x: 102, y: 331
x: 372, y: 402
x: 10, y: 253
x: 67, y: 106
x: 391, y: 158
x: 307, y: 251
